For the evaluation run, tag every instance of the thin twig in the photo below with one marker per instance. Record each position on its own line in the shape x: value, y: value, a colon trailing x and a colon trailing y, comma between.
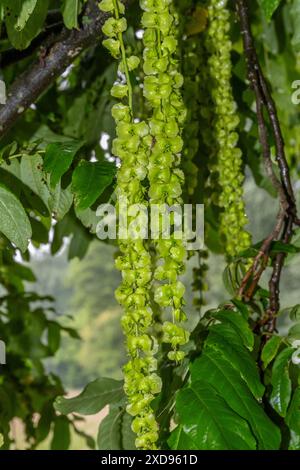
x: 287, y: 215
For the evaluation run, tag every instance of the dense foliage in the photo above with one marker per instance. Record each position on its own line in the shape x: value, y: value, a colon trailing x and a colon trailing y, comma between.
x: 153, y: 102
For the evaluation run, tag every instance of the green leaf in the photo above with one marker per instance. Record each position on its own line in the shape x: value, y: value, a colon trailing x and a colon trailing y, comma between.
x: 8, y: 150
x: 23, y: 272
x: 31, y: 174
x: 295, y: 18
x: 89, y: 181
x: 224, y: 340
x: 280, y: 247
x: 294, y: 443
x: 28, y: 342
x: 270, y: 350
x: 209, y: 422
x: 70, y: 12
x: 71, y: 332
x: 24, y: 20
x: 14, y: 223
x: 238, y: 323
x: 257, y: 168
x: 93, y: 398
x: 229, y: 280
x: 269, y: 7
x: 13, y: 169
x: 40, y: 233
x: 46, y: 136
x: 281, y: 382
x: 59, y: 157
x: 128, y: 436
x: 88, y: 218
x: 115, y: 431
x: 292, y: 418
x: 219, y: 368
x: 295, y: 313
x: 294, y: 331
x: 61, y: 201
x: 69, y: 225
x: 179, y: 440
x: 232, y: 277
x: 213, y: 240
x: 61, y: 434
x: 79, y: 244
x: 89, y: 440
x: 242, y: 308
x: 47, y: 416
x: 26, y: 10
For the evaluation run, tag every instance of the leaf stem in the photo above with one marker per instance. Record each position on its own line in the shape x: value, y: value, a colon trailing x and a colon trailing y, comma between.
x: 17, y: 155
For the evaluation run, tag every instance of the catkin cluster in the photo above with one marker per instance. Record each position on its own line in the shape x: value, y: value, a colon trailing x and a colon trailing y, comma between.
x: 229, y: 155
x: 162, y: 90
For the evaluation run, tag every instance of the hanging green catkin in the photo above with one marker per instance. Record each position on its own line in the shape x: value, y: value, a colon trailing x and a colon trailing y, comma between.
x: 162, y: 86
x: 229, y: 158
x: 132, y: 147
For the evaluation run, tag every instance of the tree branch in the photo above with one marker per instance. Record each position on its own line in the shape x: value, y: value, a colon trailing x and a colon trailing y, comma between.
x: 287, y: 215
x: 34, y: 81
